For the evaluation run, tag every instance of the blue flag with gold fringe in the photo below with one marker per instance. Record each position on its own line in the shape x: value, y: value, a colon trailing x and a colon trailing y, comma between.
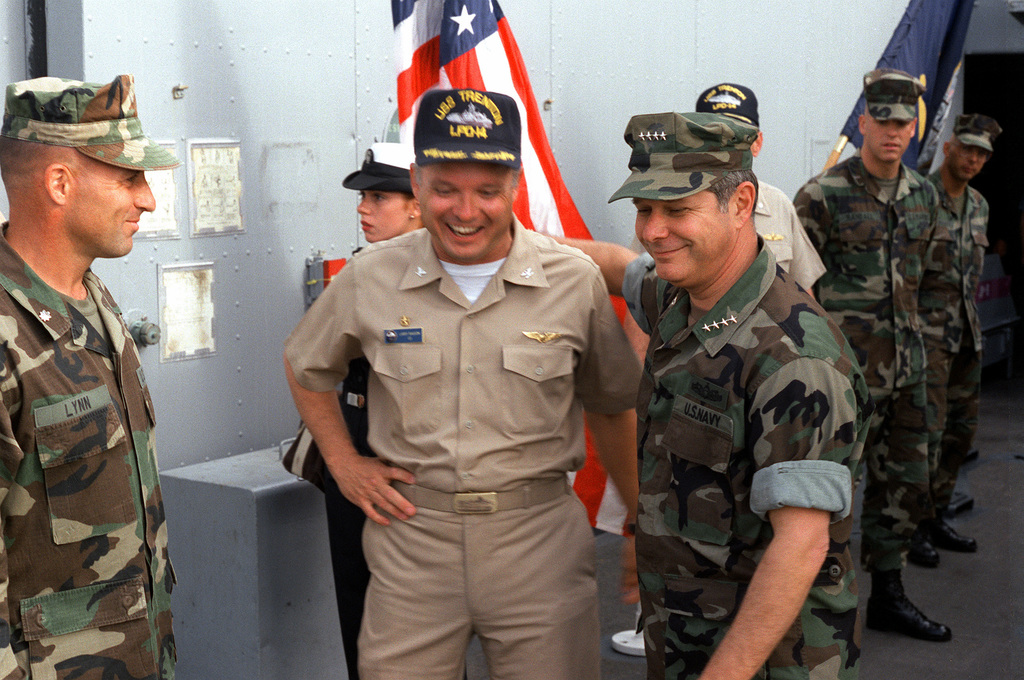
x: 928, y: 43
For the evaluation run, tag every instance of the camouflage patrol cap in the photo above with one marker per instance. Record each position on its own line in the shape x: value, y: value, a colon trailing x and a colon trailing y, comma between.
x: 730, y: 99
x: 467, y: 126
x: 96, y: 119
x: 678, y: 154
x: 891, y: 94
x: 974, y: 129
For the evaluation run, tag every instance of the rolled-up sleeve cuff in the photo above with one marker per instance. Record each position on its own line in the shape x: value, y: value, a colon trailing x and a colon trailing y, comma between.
x: 817, y: 484
x: 632, y: 285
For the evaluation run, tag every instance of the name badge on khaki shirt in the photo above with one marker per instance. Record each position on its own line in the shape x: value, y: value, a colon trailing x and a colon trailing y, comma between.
x: 399, y: 335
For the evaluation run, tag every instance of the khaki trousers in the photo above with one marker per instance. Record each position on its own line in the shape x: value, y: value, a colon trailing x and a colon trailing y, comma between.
x: 522, y: 580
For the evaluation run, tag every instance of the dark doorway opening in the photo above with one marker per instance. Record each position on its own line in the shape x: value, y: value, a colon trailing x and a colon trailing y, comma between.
x: 992, y: 87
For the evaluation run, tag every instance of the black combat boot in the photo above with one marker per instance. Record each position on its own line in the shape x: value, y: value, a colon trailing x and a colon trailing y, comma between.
x: 922, y: 552
x: 946, y: 537
x: 889, y: 609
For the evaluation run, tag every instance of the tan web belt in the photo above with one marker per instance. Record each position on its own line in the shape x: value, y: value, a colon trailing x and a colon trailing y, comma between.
x: 484, y: 502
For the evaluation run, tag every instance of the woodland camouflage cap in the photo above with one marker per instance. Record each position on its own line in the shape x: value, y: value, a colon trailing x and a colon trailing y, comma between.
x: 891, y: 94
x: 99, y: 120
x: 678, y: 154
x: 974, y: 129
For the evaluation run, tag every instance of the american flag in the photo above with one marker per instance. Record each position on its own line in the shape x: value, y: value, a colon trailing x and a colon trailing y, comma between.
x: 468, y: 43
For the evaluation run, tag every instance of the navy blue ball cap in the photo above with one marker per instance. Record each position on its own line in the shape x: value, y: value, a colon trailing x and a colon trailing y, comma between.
x: 468, y: 126
x: 385, y: 168
x: 730, y: 99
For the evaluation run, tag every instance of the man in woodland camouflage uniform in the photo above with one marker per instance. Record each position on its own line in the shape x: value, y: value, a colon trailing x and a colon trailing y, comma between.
x: 752, y: 416
x: 952, y: 331
x: 84, y: 578
x: 871, y: 219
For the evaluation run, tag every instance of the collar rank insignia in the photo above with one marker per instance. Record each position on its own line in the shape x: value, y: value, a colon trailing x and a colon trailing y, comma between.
x: 45, y: 315
x: 773, y: 237
x: 421, y: 272
x: 542, y: 337
x: 720, y: 323
x: 527, y: 273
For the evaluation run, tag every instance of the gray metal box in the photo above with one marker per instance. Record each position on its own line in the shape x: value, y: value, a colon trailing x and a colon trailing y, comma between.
x: 255, y: 594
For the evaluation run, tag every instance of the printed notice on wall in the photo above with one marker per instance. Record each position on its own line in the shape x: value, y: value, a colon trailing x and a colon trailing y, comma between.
x: 161, y: 223
x: 216, y: 183
x: 186, y: 311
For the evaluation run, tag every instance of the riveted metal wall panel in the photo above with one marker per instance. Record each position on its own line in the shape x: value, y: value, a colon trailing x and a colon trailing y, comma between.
x: 304, y: 87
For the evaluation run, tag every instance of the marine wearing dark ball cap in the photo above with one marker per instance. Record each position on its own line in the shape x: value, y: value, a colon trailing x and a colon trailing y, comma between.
x: 774, y: 216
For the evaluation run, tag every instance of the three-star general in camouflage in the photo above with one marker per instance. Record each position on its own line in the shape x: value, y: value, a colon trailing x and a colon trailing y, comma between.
x: 85, y: 581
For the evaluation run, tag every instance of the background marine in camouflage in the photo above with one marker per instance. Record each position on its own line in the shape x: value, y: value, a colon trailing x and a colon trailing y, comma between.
x: 871, y: 219
x: 85, y: 580
x: 952, y: 330
x: 752, y: 416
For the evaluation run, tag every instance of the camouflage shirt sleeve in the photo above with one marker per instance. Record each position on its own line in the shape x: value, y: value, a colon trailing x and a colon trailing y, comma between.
x: 10, y: 460
x: 813, y: 212
x: 808, y: 417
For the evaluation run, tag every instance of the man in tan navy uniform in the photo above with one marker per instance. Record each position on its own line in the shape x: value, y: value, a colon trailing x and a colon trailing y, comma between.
x: 486, y: 343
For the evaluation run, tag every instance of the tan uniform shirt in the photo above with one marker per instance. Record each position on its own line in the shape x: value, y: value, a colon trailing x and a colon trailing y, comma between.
x: 776, y: 221
x: 481, y: 397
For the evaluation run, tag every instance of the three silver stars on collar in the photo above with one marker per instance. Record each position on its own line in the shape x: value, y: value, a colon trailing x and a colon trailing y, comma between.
x: 716, y: 324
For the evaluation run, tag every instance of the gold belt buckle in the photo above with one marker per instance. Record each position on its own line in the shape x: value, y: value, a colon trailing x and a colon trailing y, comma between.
x: 474, y: 503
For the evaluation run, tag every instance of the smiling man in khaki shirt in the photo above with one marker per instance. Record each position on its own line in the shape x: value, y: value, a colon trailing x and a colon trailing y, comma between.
x: 486, y: 342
